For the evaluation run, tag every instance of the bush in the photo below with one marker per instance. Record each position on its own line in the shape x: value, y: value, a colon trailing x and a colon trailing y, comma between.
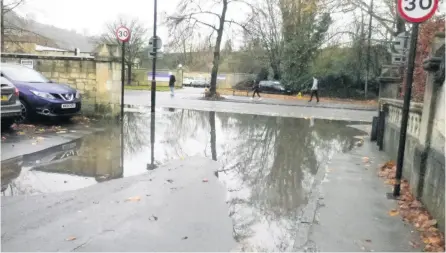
x: 244, y: 84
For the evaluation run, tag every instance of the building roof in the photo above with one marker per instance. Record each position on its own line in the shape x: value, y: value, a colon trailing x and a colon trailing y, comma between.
x: 44, y: 48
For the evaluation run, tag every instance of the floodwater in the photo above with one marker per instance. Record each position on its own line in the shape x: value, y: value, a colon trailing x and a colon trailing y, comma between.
x: 268, y: 164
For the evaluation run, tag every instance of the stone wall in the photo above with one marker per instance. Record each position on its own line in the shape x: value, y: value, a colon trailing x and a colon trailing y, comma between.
x: 96, y: 78
x: 424, y: 157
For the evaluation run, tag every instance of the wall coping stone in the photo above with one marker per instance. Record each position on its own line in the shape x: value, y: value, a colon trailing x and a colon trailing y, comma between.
x: 55, y: 57
x: 414, y: 107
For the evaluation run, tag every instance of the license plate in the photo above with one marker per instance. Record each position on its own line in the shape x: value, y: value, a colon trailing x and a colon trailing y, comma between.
x: 68, y: 106
x: 5, y: 98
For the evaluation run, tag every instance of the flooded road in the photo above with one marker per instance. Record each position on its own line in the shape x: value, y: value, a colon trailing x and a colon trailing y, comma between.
x: 267, y: 164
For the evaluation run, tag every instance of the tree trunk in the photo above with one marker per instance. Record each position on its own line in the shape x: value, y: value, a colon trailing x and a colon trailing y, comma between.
x: 129, y: 73
x: 216, y: 61
x: 2, y: 28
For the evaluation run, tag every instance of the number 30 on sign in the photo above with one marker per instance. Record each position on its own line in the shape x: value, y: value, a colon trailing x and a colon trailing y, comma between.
x: 417, y: 11
x: 123, y: 34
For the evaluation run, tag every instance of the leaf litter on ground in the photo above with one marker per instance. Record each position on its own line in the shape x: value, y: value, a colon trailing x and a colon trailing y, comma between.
x: 412, y: 211
x: 133, y: 199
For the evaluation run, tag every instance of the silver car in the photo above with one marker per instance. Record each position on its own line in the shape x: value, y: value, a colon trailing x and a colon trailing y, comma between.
x: 10, y: 109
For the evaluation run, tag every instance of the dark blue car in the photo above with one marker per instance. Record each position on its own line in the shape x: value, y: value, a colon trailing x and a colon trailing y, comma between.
x: 40, y: 96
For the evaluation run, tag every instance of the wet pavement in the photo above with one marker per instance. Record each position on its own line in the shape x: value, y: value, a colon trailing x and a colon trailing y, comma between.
x: 267, y: 164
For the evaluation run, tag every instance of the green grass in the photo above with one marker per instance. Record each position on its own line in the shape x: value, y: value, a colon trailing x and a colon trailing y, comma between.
x: 148, y: 87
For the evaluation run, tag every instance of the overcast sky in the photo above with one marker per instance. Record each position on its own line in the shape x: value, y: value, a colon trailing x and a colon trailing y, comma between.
x: 90, y: 16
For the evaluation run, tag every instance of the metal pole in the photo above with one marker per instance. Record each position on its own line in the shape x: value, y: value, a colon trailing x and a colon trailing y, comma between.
x: 122, y: 79
x: 122, y: 103
x: 368, y: 51
x: 406, y: 106
x: 153, y: 92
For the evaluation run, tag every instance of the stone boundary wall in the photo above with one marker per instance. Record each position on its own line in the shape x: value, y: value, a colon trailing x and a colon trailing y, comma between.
x: 97, y: 79
x: 424, y: 157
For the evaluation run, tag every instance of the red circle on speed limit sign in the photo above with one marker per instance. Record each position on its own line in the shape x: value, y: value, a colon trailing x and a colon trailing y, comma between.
x: 123, y: 34
x: 417, y: 11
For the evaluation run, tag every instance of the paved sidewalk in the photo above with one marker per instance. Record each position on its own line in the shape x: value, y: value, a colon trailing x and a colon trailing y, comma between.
x: 350, y: 210
x: 302, y: 103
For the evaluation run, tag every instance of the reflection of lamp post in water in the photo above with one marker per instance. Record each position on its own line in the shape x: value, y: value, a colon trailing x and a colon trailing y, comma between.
x: 152, y: 164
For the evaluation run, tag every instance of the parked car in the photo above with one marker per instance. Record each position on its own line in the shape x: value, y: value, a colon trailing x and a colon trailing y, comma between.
x: 40, y: 96
x: 273, y: 87
x: 187, y: 81
x: 199, y: 83
x: 10, y: 106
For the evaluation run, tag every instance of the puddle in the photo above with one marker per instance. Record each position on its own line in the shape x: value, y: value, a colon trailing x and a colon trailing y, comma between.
x: 268, y: 164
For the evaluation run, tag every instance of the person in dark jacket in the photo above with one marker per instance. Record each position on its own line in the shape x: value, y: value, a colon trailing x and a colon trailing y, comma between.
x: 256, y: 89
x: 172, y: 81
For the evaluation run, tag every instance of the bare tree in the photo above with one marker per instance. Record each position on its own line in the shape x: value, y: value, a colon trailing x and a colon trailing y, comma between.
x: 266, y: 27
x: 385, y: 13
x: 135, y: 46
x: 5, y: 8
x: 191, y: 14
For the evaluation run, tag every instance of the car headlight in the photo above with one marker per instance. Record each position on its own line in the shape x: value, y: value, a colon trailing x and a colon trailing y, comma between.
x: 43, y: 94
x: 78, y: 94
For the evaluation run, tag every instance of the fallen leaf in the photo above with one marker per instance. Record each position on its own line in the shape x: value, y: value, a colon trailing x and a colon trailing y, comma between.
x: 365, y: 159
x: 205, y: 180
x: 21, y: 133
x: 368, y: 240
x: 134, y: 199
x: 71, y: 238
x: 184, y: 238
x: 393, y: 212
x: 153, y: 218
x: 169, y: 180
x: 434, y: 240
x: 414, y: 244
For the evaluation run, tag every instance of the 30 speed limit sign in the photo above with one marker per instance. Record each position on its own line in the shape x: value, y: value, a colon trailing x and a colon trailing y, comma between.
x: 417, y: 11
x: 123, y: 34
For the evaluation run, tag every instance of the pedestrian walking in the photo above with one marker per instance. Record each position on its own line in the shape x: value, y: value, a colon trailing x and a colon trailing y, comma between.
x: 172, y: 81
x: 314, y: 90
x: 256, y: 90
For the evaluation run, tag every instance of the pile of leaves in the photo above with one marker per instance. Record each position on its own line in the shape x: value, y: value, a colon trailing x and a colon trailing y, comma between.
x: 209, y: 96
x: 412, y: 211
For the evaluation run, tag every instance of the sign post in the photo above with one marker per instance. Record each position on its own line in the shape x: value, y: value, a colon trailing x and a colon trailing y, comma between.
x: 123, y: 35
x: 415, y: 12
x: 154, y: 50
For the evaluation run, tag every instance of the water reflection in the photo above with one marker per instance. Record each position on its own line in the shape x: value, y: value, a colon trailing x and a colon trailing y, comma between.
x: 266, y: 163
x: 70, y: 166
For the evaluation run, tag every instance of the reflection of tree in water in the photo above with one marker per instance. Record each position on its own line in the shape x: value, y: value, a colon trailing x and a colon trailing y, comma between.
x: 136, y: 132
x: 268, y: 164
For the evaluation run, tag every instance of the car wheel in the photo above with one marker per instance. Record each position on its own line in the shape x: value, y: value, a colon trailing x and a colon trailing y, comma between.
x: 26, y: 112
x: 6, y: 124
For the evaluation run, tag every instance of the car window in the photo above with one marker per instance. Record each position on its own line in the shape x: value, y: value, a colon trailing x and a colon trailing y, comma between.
x: 23, y: 74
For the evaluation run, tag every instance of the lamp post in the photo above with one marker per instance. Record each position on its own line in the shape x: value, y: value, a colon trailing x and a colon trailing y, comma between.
x: 180, y: 68
x: 153, y: 90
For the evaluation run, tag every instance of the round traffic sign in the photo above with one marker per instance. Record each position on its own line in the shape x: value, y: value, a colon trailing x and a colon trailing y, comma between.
x: 417, y: 11
x: 123, y: 34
